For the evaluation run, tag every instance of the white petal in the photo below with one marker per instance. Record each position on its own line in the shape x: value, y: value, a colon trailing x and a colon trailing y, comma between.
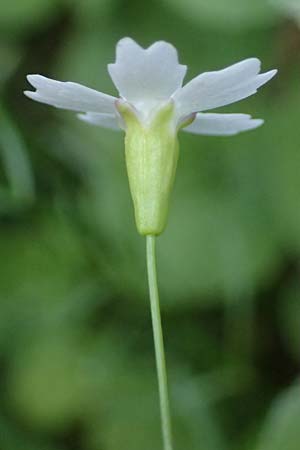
x: 143, y: 75
x: 102, y: 120
x: 222, y: 124
x: 214, y: 89
x: 69, y: 95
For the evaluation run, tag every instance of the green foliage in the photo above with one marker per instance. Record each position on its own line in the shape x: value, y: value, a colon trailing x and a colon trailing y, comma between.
x: 232, y: 14
x: 282, y: 428
x: 18, y: 16
x: 77, y: 367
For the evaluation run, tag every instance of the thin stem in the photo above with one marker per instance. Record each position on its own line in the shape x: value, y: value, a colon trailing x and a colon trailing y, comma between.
x: 159, y: 345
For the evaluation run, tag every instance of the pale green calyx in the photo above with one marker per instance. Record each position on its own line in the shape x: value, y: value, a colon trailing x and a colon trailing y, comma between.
x: 151, y: 150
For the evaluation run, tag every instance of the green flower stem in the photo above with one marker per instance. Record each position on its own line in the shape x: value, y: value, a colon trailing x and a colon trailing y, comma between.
x: 159, y: 345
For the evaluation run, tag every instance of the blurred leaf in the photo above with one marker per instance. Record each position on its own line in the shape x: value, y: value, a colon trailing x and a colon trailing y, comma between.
x: 52, y: 286
x: 128, y: 424
x: 47, y: 383
x: 289, y: 318
x: 19, y: 16
x: 10, y: 55
x: 230, y: 15
x: 17, y: 167
x: 90, y: 12
x: 13, y: 438
x: 280, y: 160
x: 281, y: 430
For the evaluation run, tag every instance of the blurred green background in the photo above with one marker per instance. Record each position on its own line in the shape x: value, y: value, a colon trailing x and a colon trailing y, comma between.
x: 77, y: 367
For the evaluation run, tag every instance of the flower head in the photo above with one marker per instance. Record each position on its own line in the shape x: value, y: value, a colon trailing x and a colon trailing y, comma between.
x: 151, y: 107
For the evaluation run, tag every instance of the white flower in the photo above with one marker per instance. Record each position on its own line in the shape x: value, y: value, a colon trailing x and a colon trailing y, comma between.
x: 152, y: 106
x: 149, y: 78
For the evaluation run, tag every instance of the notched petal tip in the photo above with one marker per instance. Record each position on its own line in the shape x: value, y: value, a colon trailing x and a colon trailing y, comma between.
x: 249, y: 125
x: 31, y: 94
x: 35, y: 79
x: 266, y: 76
x: 126, y: 45
x: 30, y: 77
x: 83, y: 116
x: 252, y: 64
x: 270, y: 74
x: 163, y: 46
x: 257, y: 122
x: 127, y: 40
x: 146, y: 75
